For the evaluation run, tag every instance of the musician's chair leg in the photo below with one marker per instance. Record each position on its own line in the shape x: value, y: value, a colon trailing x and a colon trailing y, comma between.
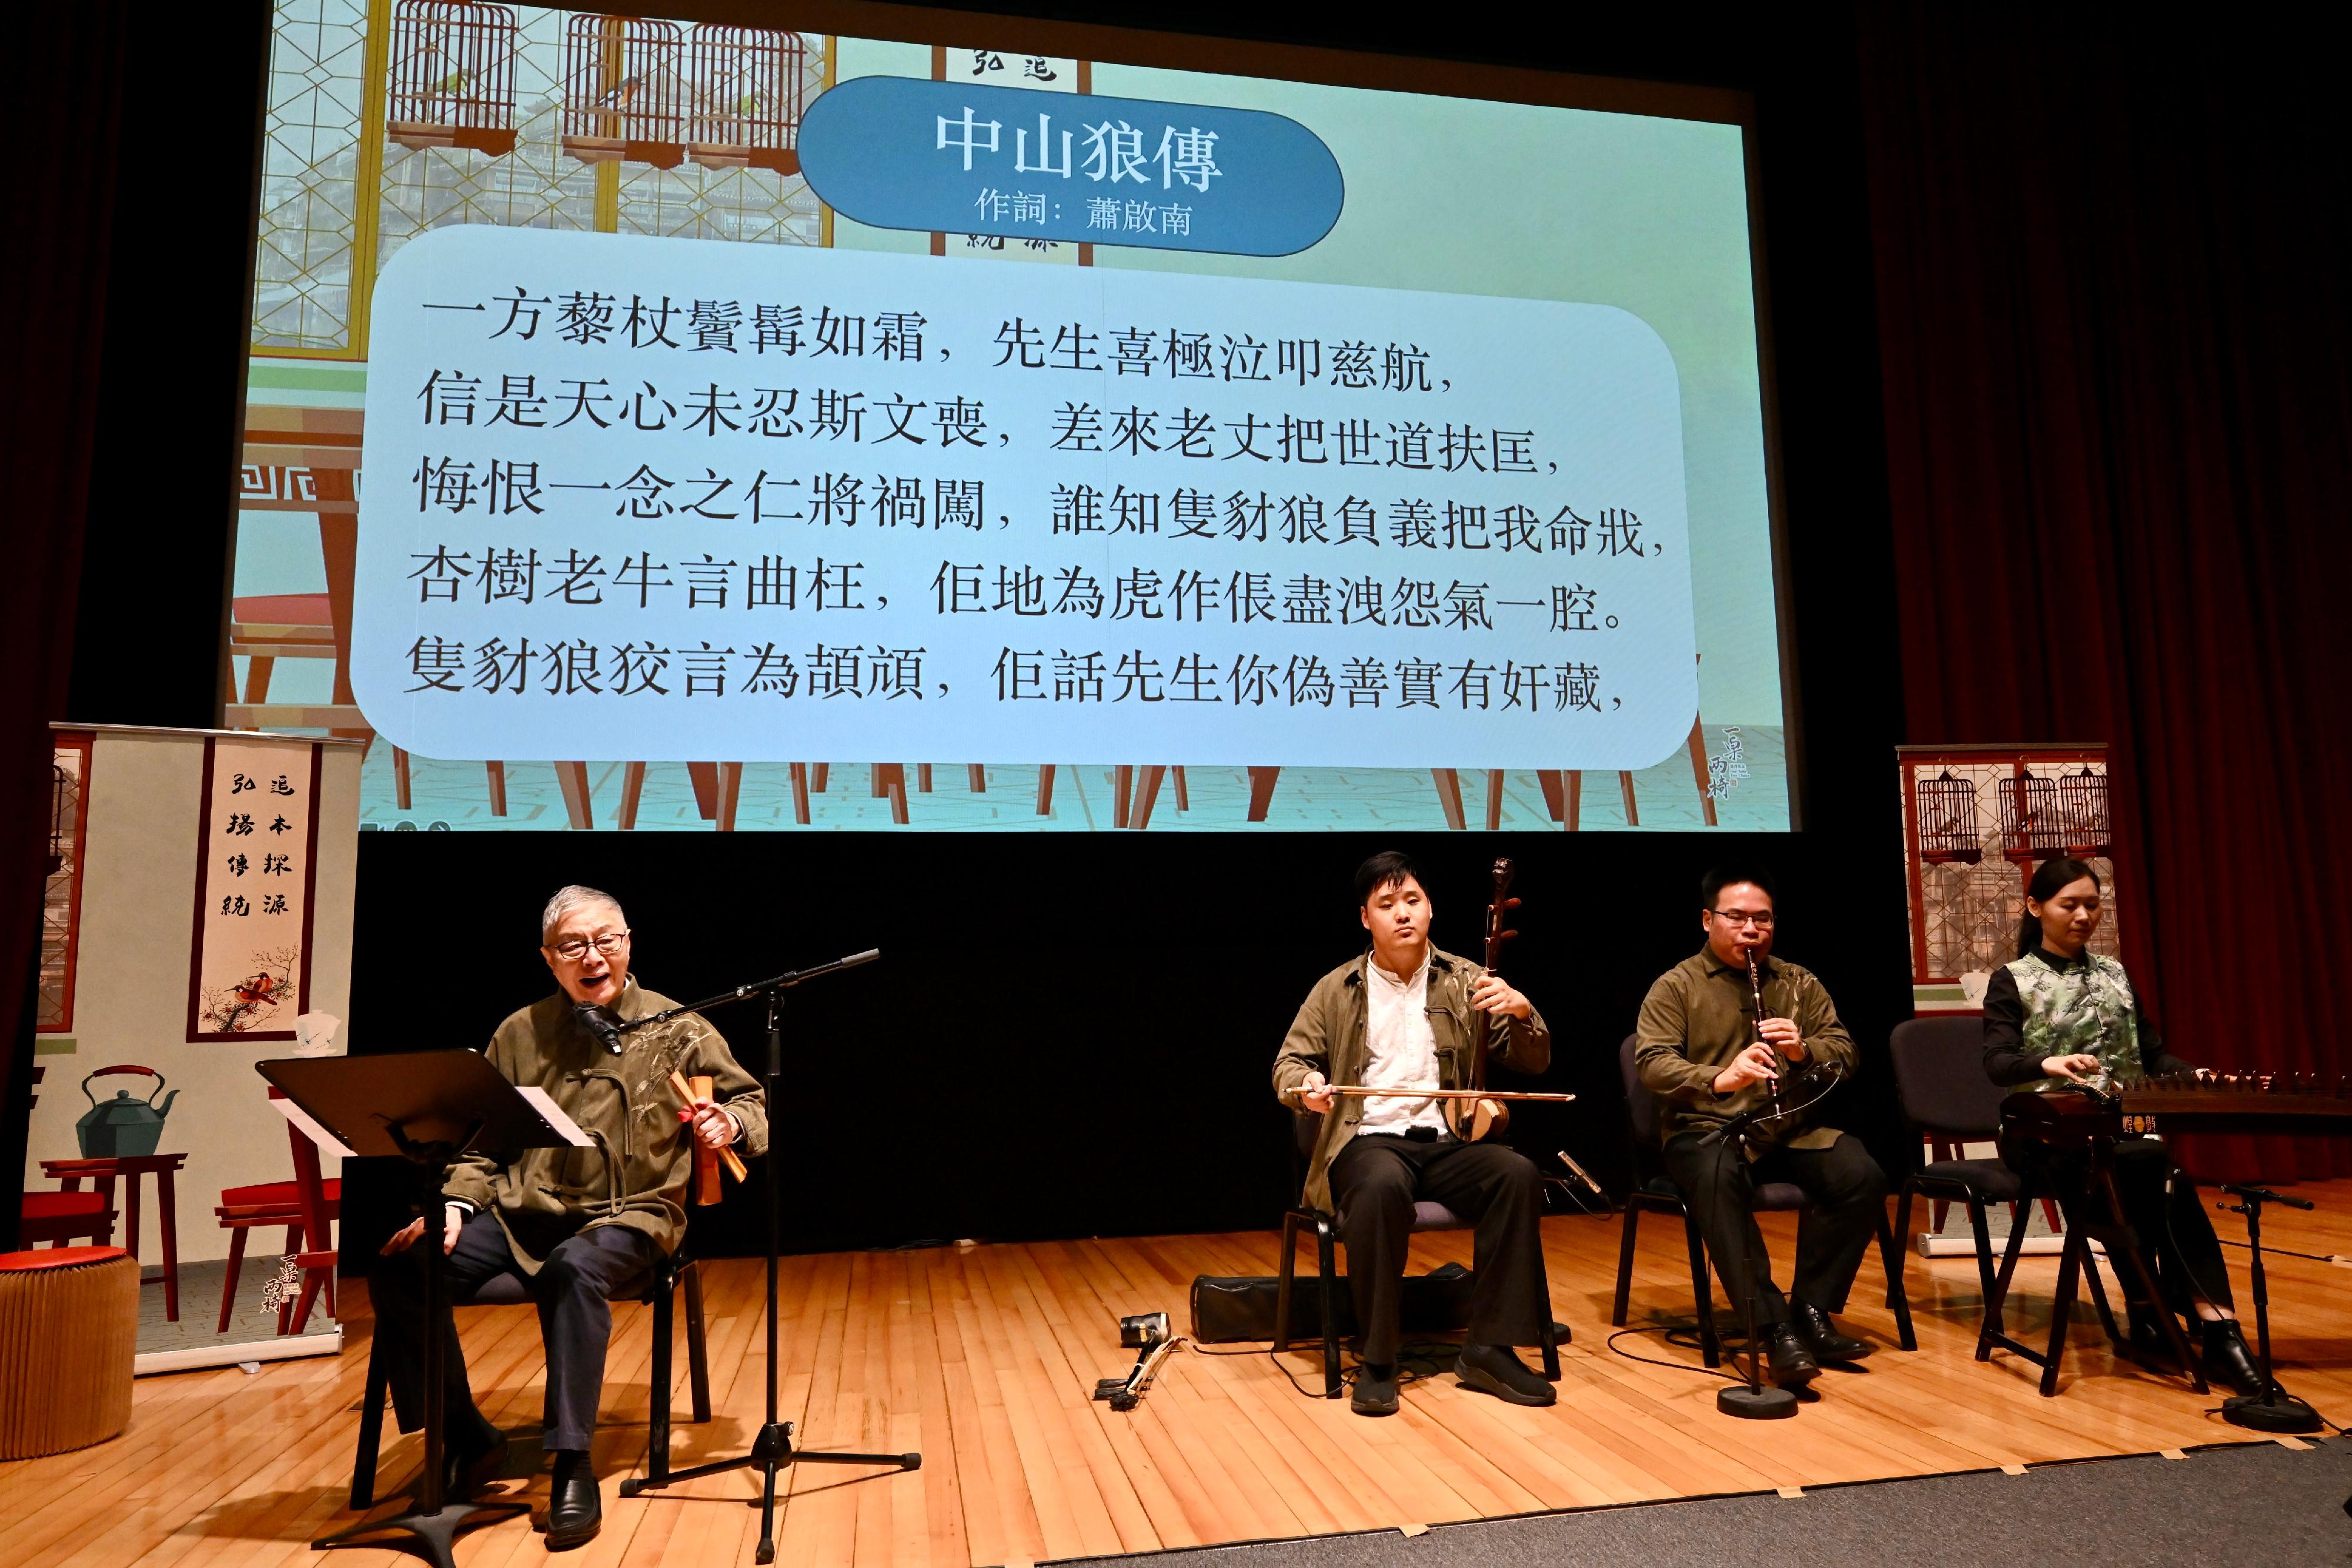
x: 1710, y: 1343
x: 1625, y: 1262
x: 1327, y: 1271
x: 1285, y: 1277
x: 665, y: 1333
x: 1890, y: 1253
x: 698, y: 1343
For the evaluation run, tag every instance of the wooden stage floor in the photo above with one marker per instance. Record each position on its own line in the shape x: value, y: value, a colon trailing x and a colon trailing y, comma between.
x: 985, y: 1358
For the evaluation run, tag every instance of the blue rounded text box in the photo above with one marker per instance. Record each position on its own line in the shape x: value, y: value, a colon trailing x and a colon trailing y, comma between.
x: 901, y: 153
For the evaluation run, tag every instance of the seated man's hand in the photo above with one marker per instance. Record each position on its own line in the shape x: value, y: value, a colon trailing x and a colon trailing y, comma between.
x: 715, y: 1126
x: 1315, y: 1095
x: 1783, y: 1036
x: 409, y: 1235
x: 1754, y: 1065
x: 1494, y: 994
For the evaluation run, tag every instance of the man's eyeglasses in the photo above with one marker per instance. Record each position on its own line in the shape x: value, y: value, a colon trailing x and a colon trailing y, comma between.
x: 1743, y: 916
x: 577, y: 948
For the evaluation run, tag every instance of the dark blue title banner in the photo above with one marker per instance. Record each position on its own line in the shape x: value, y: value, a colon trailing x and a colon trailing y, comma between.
x: 901, y: 153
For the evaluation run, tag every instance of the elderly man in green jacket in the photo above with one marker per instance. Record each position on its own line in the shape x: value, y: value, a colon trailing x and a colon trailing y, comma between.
x: 578, y: 1226
x: 1400, y: 1017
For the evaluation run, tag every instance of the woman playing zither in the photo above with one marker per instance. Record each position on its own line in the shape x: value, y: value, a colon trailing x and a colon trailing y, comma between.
x: 2062, y: 1014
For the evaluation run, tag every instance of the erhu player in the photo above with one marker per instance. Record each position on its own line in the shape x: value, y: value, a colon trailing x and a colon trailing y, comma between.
x: 578, y: 1227
x: 1405, y: 1015
x: 1702, y: 1049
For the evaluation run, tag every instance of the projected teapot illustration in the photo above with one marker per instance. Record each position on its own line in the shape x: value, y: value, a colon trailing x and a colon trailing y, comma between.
x: 123, y: 1127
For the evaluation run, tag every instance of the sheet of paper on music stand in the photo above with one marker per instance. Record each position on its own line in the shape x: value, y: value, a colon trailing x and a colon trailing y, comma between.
x: 563, y: 1124
x: 327, y: 1143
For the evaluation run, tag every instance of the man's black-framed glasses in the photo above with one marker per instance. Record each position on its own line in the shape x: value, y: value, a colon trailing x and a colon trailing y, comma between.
x: 1761, y: 917
x: 577, y: 948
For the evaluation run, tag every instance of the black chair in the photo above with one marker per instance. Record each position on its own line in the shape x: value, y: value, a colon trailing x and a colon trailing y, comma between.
x: 1660, y: 1195
x: 1426, y: 1216
x: 1940, y: 1078
x: 506, y: 1290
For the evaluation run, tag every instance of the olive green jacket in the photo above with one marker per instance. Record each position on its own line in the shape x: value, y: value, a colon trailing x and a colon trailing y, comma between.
x: 1699, y: 1016
x: 636, y: 1174
x: 1328, y: 1037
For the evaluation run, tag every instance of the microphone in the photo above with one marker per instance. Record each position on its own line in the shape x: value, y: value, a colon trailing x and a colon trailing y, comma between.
x: 599, y: 1023
x: 1581, y: 1174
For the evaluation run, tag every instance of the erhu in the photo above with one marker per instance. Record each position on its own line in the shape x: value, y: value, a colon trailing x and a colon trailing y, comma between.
x: 1487, y: 1109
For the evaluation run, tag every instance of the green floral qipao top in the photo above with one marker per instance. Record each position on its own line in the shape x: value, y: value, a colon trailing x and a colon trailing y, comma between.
x: 2043, y: 1005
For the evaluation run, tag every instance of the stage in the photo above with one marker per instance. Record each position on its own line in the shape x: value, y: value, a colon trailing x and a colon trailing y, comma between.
x: 983, y: 1358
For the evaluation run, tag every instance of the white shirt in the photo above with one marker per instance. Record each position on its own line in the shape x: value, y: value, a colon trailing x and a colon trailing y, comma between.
x: 1400, y: 1050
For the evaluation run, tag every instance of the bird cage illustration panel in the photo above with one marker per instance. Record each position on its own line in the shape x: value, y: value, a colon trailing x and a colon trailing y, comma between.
x: 2023, y: 804
x: 748, y: 87
x: 622, y: 90
x: 1948, y: 820
x: 449, y: 80
x: 2055, y: 812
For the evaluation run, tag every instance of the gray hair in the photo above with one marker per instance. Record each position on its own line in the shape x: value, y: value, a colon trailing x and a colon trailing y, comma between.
x: 568, y: 899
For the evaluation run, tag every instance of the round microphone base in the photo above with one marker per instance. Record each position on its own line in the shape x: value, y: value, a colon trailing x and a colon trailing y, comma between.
x: 2281, y: 1413
x: 1767, y: 1404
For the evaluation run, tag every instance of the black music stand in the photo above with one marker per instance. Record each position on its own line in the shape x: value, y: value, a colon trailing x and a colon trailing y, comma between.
x: 426, y: 1107
x: 773, y: 1449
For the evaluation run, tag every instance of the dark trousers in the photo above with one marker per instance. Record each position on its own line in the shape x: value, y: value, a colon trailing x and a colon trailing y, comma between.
x: 2175, y: 1233
x: 1375, y: 1181
x: 1849, y: 1199
x: 574, y: 1291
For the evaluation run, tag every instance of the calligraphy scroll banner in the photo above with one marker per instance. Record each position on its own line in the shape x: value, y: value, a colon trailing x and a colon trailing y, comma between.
x: 256, y: 880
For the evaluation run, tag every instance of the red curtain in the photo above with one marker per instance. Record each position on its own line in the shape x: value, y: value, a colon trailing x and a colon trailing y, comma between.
x: 2111, y: 270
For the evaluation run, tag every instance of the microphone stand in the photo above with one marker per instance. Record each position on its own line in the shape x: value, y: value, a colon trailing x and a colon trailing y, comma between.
x: 2274, y: 1409
x: 1751, y: 1401
x: 773, y: 1449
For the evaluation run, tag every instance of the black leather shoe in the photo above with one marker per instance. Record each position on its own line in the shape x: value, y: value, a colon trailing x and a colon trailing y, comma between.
x: 472, y: 1461
x: 1821, y: 1336
x: 2227, y: 1359
x: 2148, y: 1335
x: 1494, y: 1369
x: 1785, y: 1357
x: 1376, y: 1391
x: 575, y: 1511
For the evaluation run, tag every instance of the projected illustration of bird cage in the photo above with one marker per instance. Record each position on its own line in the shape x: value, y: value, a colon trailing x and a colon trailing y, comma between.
x: 2066, y: 815
x: 450, y: 79
x: 747, y: 109
x: 621, y: 91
